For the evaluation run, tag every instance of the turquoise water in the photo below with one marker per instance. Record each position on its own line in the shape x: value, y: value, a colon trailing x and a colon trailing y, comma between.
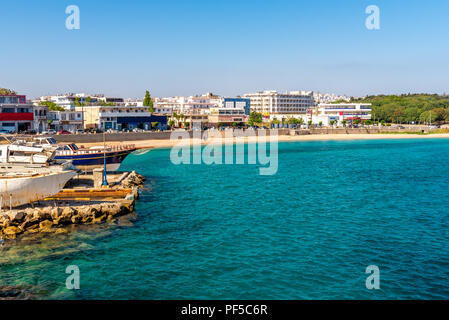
x: 225, y: 232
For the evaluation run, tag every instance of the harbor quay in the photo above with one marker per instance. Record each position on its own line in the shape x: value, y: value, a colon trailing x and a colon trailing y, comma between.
x: 82, y: 201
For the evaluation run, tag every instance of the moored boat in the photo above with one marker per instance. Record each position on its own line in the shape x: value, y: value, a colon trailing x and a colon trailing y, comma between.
x: 29, y: 174
x: 87, y: 159
x: 24, y: 184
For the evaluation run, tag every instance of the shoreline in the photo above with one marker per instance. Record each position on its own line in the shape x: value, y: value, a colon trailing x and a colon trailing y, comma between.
x: 166, y: 143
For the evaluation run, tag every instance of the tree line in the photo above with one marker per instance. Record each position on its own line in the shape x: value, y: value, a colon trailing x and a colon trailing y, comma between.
x: 407, y: 108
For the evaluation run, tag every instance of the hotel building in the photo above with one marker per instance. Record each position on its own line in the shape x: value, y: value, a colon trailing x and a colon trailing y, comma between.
x: 16, y: 113
x: 273, y: 104
x: 327, y: 112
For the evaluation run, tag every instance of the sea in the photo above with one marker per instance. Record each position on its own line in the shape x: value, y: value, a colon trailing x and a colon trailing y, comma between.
x: 333, y: 212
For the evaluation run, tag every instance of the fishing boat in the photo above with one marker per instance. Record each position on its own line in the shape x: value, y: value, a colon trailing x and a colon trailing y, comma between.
x: 16, y: 153
x: 23, y: 181
x: 87, y: 159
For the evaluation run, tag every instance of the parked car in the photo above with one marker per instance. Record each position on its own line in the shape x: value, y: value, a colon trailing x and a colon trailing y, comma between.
x: 4, y: 132
x: 28, y: 131
x: 79, y: 131
x: 51, y: 131
x: 64, y: 132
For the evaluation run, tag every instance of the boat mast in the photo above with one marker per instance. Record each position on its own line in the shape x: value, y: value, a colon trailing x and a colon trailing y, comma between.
x: 105, y: 181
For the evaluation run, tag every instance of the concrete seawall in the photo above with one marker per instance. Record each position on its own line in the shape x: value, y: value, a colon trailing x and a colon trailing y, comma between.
x: 125, y: 136
x: 140, y: 136
x: 355, y: 130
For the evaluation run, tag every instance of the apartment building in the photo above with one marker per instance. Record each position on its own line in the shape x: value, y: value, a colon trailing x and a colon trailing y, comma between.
x: 273, y: 104
x: 67, y: 120
x: 16, y: 113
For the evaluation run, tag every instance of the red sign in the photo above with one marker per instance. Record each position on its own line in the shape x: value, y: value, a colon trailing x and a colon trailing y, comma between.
x: 342, y: 113
x: 19, y: 116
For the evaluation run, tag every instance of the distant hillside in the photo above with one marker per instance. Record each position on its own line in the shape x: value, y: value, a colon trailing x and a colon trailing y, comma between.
x: 409, y: 107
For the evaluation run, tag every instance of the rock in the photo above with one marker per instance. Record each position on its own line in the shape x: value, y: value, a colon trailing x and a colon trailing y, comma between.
x: 111, y: 209
x: 88, y: 213
x: 11, y: 232
x: 45, y: 213
x: 127, y: 207
x: 100, y: 218
x: 133, y: 180
x: 55, y: 213
x: 66, y: 216
x: 29, y: 222
x: 4, y: 218
x: 60, y: 230
x: 16, y: 216
x: 45, y: 226
x: 15, y: 293
x: 9, y: 292
x: 77, y: 219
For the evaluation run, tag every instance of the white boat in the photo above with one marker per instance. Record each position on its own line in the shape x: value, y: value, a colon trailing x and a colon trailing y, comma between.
x: 24, y: 154
x: 25, y: 184
x: 16, y: 153
x: 27, y: 175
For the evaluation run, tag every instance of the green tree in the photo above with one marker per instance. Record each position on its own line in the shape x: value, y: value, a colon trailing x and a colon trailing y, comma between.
x: 51, y: 106
x: 407, y: 107
x: 255, y: 118
x: 275, y: 121
x: 6, y: 92
x: 148, y: 102
x: 427, y: 116
x: 411, y: 114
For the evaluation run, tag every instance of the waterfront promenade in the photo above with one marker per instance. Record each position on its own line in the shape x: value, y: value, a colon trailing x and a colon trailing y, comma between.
x: 162, y: 139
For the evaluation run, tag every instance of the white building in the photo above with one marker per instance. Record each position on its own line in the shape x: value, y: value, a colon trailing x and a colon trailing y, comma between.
x: 273, y: 104
x: 329, y: 97
x: 65, y: 120
x: 40, y: 121
x: 133, y: 102
x: 67, y: 101
x: 327, y: 112
x: 187, y: 105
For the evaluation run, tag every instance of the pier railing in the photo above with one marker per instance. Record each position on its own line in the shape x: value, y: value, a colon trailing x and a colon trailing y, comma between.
x: 82, y: 150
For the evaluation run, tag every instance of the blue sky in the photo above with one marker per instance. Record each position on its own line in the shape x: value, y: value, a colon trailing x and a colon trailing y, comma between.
x: 175, y: 47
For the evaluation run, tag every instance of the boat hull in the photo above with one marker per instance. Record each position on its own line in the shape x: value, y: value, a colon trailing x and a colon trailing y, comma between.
x: 93, y: 160
x: 22, y: 190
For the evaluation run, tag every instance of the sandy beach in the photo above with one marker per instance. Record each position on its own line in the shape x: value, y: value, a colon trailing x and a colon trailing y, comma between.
x: 165, y: 143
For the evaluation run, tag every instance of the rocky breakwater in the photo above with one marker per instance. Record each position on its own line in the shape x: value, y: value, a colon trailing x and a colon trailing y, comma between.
x: 54, y: 218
